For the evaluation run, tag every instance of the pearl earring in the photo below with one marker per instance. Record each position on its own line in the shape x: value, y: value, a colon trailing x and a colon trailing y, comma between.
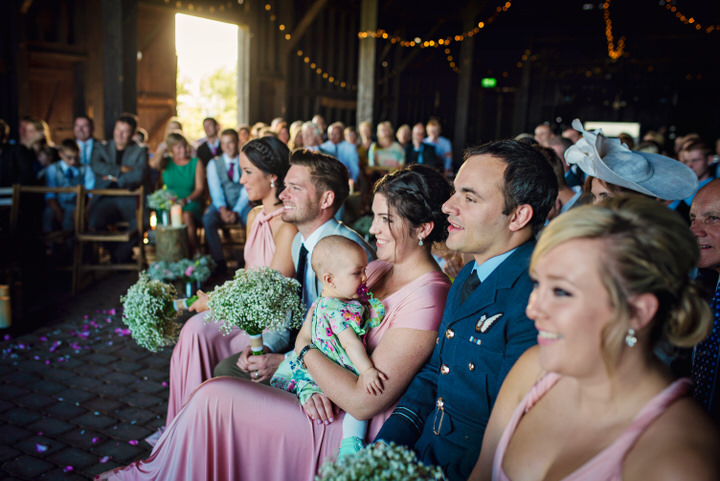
x: 631, y: 338
x: 272, y: 183
x: 420, y: 241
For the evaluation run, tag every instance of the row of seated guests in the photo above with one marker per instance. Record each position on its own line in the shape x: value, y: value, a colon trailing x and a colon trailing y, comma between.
x: 539, y: 361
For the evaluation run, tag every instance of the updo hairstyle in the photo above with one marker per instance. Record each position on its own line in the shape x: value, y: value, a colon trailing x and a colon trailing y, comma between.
x: 271, y: 156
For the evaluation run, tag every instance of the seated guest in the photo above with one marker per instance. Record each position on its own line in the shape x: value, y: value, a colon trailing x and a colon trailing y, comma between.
x: 16, y: 162
x: 229, y: 200
x: 613, y: 169
x: 296, y: 137
x: 84, y: 129
x: 39, y: 142
x: 118, y: 163
x: 567, y: 198
x: 210, y: 147
x: 385, y: 154
x: 503, y: 193
x: 419, y: 152
x: 240, y: 430
x: 695, y: 154
x: 704, y: 224
x: 140, y: 137
x: 403, y: 135
x: 311, y: 136
x: 592, y: 401
x: 59, y: 212
x: 443, y: 146
x: 185, y: 177
x: 342, y: 150
x: 161, y: 152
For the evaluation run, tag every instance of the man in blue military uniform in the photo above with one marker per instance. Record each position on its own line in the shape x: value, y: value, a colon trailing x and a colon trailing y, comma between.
x: 503, y: 193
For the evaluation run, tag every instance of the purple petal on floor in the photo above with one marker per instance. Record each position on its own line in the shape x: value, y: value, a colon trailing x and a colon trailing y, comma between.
x: 94, y: 440
x: 41, y: 448
x: 134, y: 442
x: 105, y: 459
x: 68, y: 469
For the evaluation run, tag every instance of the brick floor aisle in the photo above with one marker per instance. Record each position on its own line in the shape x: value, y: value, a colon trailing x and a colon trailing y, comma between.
x: 78, y: 396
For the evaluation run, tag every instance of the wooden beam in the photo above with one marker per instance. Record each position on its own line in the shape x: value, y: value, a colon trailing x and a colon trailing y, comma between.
x: 366, y: 62
x: 304, y: 24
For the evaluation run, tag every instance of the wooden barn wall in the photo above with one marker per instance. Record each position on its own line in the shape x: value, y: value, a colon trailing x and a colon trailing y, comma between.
x: 156, y: 70
x: 331, y: 43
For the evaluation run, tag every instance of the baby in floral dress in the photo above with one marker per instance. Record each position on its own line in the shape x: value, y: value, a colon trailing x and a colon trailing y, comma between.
x: 342, y: 314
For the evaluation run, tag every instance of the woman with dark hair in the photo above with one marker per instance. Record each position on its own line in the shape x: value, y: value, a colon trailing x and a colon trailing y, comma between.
x: 234, y: 429
x: 264, y: 163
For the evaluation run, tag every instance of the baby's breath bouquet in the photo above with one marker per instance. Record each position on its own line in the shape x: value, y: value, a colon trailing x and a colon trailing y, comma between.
x: 255, y: 300
x: 149, y: 311
x: 161, y: 199
x: 379, y: 461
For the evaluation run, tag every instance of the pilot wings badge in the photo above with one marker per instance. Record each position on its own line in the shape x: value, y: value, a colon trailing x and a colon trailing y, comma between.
x: 484, y: 323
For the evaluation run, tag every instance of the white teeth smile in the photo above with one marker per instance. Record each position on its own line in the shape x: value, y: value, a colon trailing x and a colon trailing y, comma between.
x: 549, y: 335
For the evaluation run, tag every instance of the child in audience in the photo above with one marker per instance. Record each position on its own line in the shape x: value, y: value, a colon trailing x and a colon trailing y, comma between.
x: 344, y: 311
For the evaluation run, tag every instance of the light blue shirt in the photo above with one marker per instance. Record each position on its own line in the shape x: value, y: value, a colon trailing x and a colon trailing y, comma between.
x: 484, y: 270
x: 217, y: 194
x: 443, y: 148
x: 56, y: 175
x: 85, y: 150
x: 346, y: 153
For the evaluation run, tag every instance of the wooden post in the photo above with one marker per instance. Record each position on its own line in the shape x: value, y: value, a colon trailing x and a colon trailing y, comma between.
x: 119, y: 19
x: 171, y: 243
x: 465, y: 81
x: 366, y: 62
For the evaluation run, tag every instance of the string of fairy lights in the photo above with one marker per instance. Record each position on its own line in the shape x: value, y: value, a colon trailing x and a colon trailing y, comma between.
x: 670, y: 5
x: 613, y: 53
x: 191, y: 7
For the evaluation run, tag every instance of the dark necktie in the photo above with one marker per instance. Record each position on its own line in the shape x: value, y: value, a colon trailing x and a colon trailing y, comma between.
x: 231, y: 171
x: 302, y: 265
x: 69, y: 174
x: 470, y: 285
x: 704, y: 365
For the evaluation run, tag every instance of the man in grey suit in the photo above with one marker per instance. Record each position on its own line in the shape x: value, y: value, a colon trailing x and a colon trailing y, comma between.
x: 119, y: 163
x: 316, y: 185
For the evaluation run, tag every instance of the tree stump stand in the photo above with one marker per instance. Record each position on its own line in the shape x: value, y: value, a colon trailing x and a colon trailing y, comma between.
x: 171, y: 243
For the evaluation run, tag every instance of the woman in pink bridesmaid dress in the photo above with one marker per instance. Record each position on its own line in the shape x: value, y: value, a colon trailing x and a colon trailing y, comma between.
x: 593, y: 401
x: 264, y: 163
x: 234, y: 429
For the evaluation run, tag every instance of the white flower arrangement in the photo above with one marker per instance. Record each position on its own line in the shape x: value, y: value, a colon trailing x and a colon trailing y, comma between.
x: 161, y: 199
x: 379, y: 462
x: 198, y: 269
x: 149, y: 313
x: 257, y: 299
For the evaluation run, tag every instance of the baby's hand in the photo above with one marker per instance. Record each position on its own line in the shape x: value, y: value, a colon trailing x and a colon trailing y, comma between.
x: 373, y: 379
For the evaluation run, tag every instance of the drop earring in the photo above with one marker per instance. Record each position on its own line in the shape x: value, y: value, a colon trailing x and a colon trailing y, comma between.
x: 420, y: 241
x: 631, y: 338
x: 272, y: 183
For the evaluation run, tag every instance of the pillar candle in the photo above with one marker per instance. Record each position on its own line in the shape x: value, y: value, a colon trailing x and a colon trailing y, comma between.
x: 176, y: 215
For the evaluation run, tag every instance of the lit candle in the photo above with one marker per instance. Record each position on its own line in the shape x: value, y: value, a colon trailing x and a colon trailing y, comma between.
x: 153, y: 220
x: 176, y: 215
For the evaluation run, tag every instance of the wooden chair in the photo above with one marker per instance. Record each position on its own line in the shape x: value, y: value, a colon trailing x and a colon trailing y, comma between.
x: 84, y: 236
x: 18, y: 214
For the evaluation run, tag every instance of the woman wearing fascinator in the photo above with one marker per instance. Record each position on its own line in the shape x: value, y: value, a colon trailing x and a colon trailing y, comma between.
x: 613, y: 169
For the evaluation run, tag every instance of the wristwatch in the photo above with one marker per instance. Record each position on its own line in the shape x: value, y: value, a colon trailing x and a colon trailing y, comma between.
x: 303, y: 351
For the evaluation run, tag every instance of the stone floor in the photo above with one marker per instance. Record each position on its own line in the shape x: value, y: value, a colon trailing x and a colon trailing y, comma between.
x: 77, y: 395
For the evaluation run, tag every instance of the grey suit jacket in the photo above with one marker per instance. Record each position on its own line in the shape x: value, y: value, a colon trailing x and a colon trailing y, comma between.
x: 104, y: 162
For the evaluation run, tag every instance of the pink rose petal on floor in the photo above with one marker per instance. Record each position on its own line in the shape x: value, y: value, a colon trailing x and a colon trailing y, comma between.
x: 111, y: 312
x: 68, y: 469
x: 105, y: 459
x: 164, y: 384
x: 134, y: 442
x: 94, y: 440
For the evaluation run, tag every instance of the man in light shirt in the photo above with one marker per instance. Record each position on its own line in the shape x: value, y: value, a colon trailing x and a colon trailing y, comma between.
x: 230, y: 203
x: 83, y: 128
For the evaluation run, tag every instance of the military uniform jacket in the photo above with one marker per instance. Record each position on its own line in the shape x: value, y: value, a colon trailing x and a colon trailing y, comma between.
x: 445, y: 410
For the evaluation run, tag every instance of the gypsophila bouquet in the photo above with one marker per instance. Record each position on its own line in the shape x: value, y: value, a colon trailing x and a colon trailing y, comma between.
x: 161, y: 199
x: 255, y: 300
x: 378, y: 462
x: 198, y: 269
x: 149, y: 313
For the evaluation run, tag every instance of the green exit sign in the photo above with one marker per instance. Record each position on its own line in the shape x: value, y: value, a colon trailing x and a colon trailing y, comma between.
x: 488, y: 82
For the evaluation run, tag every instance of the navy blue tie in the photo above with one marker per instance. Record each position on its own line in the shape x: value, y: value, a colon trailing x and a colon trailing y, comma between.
x: 470, y: 285
x: 704, y: 368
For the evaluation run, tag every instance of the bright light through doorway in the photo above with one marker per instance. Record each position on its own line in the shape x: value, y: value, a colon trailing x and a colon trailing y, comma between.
x: 207, y: 73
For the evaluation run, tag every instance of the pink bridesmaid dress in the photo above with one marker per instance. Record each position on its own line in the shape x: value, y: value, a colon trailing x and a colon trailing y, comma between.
x: 233, y: 429
x: 607, y: 464
x: 201, y: 346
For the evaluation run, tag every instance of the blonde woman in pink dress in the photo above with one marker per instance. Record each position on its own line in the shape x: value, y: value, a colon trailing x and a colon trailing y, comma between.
x: 234, y: 429
x: 201, y: 346
x: 593, y: 401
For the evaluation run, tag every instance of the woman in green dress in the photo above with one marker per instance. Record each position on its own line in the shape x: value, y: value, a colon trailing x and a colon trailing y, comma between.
x: 185, y: 176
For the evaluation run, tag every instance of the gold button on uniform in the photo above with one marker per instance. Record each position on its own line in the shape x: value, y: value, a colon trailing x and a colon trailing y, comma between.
x: 444, y: 369
x: 471, y: 366
x: 449, y: 333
